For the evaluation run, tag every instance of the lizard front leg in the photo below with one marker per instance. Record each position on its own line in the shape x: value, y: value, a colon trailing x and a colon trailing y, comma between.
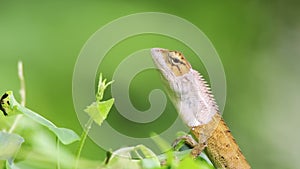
x: 196, y: 151
x: 188, y: 140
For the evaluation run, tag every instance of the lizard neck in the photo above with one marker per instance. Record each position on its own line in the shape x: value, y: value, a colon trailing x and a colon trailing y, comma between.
x: 195, y: 103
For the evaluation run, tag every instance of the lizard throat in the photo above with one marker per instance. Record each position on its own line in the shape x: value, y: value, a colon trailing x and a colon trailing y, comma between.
x: 195, y: 104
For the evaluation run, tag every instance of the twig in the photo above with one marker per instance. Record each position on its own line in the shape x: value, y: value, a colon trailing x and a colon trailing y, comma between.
x: 22, y: 83
x: 22, y: 94
x: 82, y: 140
x: 58, y: 153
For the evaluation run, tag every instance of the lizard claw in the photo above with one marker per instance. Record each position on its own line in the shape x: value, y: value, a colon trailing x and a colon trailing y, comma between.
x: 186, y: 139
x: 196, y: 151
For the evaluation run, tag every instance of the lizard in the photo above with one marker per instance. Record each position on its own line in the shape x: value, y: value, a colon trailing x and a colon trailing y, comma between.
x: 198, y: 110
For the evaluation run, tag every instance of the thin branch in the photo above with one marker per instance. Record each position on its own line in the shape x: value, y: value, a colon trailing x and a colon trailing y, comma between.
x: 86, y: 130
x: 58, y: 153
x: 22, y: 94
x: 22, y: 83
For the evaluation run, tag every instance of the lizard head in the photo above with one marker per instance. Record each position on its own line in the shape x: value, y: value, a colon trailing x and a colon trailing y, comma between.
x: 174, y: 67
x: 170, y: 62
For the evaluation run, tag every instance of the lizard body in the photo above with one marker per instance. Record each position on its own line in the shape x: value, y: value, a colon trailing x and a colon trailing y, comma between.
x: 199, y: 111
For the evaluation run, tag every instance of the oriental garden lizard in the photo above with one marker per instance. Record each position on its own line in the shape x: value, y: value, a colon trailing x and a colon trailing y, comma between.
x: 199, y: 111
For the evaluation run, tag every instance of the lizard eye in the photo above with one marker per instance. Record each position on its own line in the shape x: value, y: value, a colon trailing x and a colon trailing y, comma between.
x: 175, y: 61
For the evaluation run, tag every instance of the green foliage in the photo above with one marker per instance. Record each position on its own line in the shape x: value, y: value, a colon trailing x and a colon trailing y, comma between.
x: 97, y: 111
x: 11, y: 106
x: 9, y: 145
x: 135, y: 157
x: 141, y: 157
x: 195, y: 164
x: 10, y: 142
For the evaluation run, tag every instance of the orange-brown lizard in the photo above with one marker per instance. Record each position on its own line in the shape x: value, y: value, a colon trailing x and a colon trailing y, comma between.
x: 199, y: 111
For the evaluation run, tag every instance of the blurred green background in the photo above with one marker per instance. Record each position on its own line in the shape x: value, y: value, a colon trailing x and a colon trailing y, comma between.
x: 257, y: 41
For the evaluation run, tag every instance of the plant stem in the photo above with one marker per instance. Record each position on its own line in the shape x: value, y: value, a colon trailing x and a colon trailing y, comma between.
x: 82, y: 140
x: 58, y: 153
x: 22, y: 94
x: 22, y: 83
x: 16, y: 121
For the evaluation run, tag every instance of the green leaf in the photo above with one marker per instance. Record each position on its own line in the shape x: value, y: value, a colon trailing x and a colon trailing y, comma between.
x: 121, y: 158
x: 66, y: 136
x: 188, y: 162
x: 11, y: 165
x: 99, y: 110
x: 102, y: 85
x: 148, y: 153
x: 9, y: 145
x: 123, y: 163
x: 149, y: 163
x: 150, y: 160
x: 140, y: 156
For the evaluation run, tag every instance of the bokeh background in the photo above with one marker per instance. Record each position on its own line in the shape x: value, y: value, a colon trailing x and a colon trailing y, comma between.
x: 257, y: 41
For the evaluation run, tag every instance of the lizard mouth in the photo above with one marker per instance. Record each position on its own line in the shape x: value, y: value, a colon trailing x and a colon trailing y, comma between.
x: 158, y: 58
x: 158, y: 55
